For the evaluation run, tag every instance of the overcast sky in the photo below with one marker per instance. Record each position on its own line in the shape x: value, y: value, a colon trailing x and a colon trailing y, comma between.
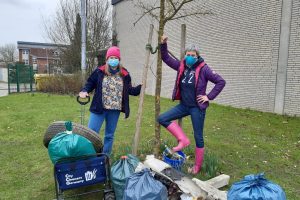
x: 22, y: 20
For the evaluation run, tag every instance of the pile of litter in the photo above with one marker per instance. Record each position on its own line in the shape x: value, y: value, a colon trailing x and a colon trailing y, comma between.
x: 155, y: 179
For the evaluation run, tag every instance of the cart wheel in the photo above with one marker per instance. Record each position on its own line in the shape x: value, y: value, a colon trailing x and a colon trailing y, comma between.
x: 60, y: 198
x: 109, y: 196
x: 59, y: 126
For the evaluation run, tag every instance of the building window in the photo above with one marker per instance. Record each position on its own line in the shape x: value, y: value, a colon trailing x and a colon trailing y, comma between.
x: 25, y: 51
x: 34, y: 61
x: 26, y: 61
x: 34, y: 67
x: 55, y: 53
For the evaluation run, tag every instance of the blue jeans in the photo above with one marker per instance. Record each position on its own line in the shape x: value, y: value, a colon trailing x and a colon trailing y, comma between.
x: 111, y: 120
x: 180, y: 111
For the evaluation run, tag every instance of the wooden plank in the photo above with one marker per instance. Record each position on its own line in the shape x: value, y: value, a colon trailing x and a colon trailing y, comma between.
x: 188, y: 186
x: 212, y: 192
x: 219, y: 181
x: 155, y: 164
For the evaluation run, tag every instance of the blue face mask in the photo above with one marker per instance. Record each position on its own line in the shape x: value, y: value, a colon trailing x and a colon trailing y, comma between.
x: 113, y: 62
x: 190, y: 60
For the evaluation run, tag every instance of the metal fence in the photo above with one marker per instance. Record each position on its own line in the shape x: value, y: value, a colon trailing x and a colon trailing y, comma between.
x: 20, y: 78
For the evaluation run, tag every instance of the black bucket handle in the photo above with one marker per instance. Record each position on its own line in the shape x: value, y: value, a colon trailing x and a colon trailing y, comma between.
x: 79, y: 100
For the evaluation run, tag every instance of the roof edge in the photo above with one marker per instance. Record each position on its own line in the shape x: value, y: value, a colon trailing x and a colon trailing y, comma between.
x: 38, y: 43
x: 114, y: 2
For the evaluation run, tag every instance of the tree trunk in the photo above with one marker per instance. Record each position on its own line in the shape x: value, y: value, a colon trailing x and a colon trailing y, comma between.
x: 158, y: 78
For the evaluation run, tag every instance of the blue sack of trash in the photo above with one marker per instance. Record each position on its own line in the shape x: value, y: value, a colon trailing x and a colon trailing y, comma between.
x: 120, y: 171
x: 255, y: 187
x: 142, y: 185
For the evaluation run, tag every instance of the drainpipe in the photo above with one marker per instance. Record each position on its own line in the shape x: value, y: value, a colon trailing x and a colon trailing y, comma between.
x: 281, y: 78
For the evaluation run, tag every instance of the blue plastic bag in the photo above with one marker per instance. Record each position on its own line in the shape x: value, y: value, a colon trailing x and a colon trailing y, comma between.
x: 255, y: 187
x: 142, y: 185
x: 120, y: 171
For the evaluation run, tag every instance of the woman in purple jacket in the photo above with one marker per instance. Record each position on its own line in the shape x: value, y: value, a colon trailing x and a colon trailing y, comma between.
x: 190, y: 88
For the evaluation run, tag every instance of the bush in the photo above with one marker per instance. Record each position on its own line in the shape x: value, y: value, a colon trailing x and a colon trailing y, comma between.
x: 61, y: 84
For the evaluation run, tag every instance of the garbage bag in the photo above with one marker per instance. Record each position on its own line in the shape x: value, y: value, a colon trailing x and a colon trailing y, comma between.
x: 68, y: 144
x: 142, y: 185
x: 255, y: 187
x: 120, y: 171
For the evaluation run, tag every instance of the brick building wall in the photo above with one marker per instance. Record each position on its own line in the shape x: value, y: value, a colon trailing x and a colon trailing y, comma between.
x: 39, y: 55
x: 240, y: 41
x: 42, y: 57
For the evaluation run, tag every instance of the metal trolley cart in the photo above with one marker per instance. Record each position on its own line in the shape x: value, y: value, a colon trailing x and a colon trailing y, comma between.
x: 82, y: 171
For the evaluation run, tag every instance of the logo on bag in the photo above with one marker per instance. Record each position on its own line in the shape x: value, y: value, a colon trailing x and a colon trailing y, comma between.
x: 70, y: 179
x: 90, y: 175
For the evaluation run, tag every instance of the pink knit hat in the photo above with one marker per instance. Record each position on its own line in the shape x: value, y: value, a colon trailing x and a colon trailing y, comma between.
x: 113, y: 51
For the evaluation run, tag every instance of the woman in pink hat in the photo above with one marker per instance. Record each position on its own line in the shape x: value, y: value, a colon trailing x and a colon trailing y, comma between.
x: 112, y: 85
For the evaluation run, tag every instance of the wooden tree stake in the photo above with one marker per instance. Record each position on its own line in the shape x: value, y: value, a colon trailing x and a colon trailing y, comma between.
x: 142, y: 94
x: 182, y: 49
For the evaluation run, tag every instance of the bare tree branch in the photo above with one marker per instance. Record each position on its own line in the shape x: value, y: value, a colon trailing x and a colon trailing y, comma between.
x: 192, y: 14
x: 145, y: 13
x: 177, y: 9
x: 170, y: 14
x: 172, y: 4
x: 8, y: 53
x: 60, y: 29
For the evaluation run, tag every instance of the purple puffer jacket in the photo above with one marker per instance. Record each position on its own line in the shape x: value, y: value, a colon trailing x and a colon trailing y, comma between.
x: 203, y: 75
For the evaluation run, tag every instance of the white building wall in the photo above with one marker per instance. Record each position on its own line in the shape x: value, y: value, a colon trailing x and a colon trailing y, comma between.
x: 3, y: 74
x: 240, y: 41
x: 292, y: 93
x: 132, y: 40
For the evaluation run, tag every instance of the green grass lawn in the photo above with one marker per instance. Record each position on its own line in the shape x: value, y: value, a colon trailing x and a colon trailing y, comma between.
x: 243, y: 141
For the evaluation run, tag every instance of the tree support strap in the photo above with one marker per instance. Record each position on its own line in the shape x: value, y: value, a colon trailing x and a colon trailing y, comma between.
x: 148, y: 46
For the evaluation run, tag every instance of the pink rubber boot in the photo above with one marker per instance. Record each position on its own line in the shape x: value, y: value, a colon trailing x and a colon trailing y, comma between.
x: 176, y: 130
x: 199, y: 155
